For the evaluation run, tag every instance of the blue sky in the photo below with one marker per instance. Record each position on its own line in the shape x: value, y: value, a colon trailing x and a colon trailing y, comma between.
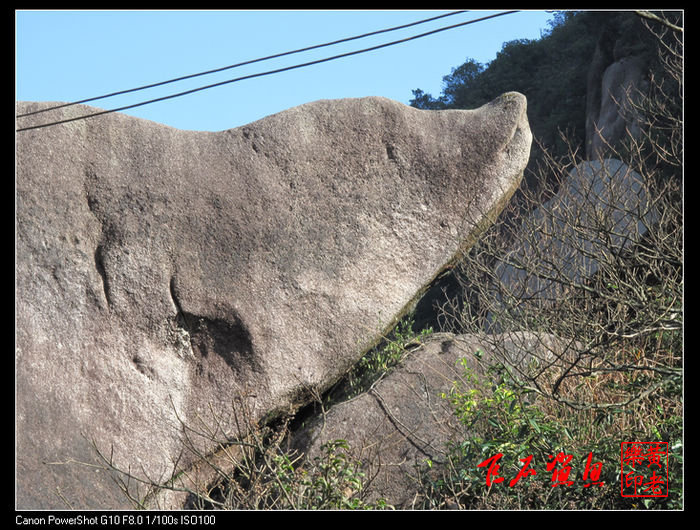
x: 72, y: 55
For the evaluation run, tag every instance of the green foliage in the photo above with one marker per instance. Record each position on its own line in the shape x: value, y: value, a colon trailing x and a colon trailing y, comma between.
x: 274, y: 479
x: 332, y: 481
x: 500, y: 419
x: 378, y: 361
x: 461, y: 89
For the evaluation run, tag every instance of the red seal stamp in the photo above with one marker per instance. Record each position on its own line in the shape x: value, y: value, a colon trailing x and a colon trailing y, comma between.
x: 644, y: 469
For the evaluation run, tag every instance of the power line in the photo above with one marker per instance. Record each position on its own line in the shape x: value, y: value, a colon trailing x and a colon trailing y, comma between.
x: 223, y: 68
x: 269, y: 72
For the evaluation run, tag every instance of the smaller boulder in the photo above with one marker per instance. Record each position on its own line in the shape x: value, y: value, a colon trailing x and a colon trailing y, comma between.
x: 402, y: 421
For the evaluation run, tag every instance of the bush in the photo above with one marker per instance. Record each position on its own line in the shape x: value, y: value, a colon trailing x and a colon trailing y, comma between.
x: 522, y: 433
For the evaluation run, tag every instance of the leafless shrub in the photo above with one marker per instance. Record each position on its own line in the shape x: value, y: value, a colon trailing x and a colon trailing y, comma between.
x: 600, y: 265
x: 252, y: 473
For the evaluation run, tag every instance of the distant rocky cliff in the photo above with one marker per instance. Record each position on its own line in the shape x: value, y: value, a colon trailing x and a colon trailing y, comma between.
x: 617, y: 79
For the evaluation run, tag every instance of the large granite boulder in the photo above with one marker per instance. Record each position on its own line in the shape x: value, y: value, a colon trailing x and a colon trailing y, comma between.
x: 162, y: 274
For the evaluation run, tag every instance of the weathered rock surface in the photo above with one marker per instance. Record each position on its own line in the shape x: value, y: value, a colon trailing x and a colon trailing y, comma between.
x: 601, y: 208
x: 615, y: 119
x: 161, y: 273
x: 402, y: 421
x: 617, y: 79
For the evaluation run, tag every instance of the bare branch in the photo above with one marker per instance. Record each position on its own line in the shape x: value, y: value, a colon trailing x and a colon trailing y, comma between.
x: 651, y: 16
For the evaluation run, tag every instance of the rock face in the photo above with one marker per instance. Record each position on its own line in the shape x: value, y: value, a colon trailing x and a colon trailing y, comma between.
x: 617, y: 79
x: 162, y: 274
x: 614, y: 120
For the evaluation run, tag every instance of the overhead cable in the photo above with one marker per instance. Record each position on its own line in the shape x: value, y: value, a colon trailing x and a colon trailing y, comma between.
x: 269, y: 72
x: 237, y: 65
